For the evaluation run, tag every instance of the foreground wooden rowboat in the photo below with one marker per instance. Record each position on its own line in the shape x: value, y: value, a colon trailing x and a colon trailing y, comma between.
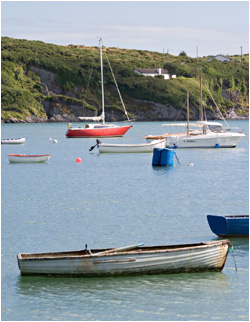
x: 24, y: 158
x: 131, y: 148
x: 205, y: 256
x: 13, y: 141
x: 230, y: 225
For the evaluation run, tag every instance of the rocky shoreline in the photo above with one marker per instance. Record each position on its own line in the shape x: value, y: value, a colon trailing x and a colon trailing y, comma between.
x: 159, y: 113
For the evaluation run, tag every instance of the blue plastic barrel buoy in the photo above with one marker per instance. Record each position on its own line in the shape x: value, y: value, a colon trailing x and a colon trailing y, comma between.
x: 164, y: 157
x: 167, y: 157
x: 156, y: 156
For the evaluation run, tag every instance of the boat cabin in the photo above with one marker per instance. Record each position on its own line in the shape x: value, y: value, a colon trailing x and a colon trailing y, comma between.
x: 99, y: 126
x: 214, y: 127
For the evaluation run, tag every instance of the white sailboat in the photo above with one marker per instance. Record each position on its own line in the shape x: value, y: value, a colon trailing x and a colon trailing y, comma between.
x: 209, y: 135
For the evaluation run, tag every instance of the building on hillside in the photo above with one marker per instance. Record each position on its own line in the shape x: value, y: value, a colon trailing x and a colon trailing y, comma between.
x: 154, y: 72
x: 219, y: 58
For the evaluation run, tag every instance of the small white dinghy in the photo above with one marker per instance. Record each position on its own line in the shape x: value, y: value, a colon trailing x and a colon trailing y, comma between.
x: 129, y: 260
x: 13, y: 141
x: 26, y: 158
x: 129, y: 148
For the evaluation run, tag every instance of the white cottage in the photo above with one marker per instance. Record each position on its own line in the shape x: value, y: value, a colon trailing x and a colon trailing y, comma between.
x: 220, y: 58
x: 154, y: 72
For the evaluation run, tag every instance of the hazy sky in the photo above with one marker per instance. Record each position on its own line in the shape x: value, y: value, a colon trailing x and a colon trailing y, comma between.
x: 214, y: 27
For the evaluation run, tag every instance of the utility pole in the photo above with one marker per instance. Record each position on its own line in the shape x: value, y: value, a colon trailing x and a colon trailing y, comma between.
x: 197, y: 54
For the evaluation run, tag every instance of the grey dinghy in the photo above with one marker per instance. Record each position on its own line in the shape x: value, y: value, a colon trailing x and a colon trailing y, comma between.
x: 130, y: 260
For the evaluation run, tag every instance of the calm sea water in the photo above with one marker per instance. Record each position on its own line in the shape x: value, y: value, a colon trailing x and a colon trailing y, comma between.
x: 112, y: 200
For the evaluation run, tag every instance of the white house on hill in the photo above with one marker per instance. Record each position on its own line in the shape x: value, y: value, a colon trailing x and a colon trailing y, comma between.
x: 154, y: 72
x: 219, y: 58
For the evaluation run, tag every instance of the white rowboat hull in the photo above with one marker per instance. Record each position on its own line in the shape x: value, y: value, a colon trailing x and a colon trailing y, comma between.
x: 19, y: 158
x: 207, y: 256
x: 132, y: 148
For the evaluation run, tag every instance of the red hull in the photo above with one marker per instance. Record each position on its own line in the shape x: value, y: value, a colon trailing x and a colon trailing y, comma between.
x: 97, y: 133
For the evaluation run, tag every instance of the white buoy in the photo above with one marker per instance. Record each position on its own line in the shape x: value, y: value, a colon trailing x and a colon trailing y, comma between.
x: 55, y: 141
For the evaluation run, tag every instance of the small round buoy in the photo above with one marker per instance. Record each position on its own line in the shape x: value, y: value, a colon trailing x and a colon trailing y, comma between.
x: 78, y: 160
x: 191, y: 165
x: 50, y: 139
x: 55, y: 141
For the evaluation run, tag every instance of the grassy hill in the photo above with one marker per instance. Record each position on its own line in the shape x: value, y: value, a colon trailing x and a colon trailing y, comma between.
x: 42, y: 82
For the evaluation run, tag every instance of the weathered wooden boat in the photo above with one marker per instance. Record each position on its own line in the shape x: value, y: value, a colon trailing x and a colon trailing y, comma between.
x: 24, y: 158
x: 133, y: 260
x: 130, y: 148
x: 13, y: 141
x: 229, y: 225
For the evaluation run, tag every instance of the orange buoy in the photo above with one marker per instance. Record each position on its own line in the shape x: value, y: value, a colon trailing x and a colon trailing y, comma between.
x: 191, y: 165
x: 78, y: 160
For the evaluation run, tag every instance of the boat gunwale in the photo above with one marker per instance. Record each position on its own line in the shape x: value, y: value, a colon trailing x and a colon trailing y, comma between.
x: 29, y: 155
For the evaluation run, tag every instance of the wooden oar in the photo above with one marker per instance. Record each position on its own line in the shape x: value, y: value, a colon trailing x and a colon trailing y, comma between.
x: 119, y: 249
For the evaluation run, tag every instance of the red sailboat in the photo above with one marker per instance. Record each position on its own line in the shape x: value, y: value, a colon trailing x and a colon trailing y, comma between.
x: 99, y: 130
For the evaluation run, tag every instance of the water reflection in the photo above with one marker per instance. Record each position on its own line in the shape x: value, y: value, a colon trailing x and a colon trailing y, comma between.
x: 162, y: 283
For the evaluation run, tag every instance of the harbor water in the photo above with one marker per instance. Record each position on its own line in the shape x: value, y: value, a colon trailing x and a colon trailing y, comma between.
x: 115, y: 200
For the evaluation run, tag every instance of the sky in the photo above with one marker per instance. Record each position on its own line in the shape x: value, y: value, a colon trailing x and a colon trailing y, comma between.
x: 200, y: 28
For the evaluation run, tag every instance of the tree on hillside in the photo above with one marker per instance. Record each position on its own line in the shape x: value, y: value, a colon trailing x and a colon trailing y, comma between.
x: 183, y: 53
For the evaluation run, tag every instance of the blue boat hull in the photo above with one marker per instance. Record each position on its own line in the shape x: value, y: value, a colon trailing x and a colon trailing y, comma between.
x: 229, y: 226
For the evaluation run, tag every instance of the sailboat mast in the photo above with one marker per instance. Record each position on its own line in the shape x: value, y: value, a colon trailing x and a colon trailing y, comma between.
x: 201, y: 107
x: 187, y: 113
x: 103, y: 112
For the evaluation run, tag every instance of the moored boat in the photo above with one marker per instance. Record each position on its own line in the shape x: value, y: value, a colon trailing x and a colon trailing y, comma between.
x: 210, y: 134
x: 25, y: 158
x: 229, y: 225
x: 97, y: 130
x: 104, y: 129
x: 13, y: 141
x: 131, y: 148
x: 205, y: 256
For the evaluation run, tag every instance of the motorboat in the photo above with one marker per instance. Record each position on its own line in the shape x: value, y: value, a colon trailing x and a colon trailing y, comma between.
x: 208, y: 135
x: 130, y: 148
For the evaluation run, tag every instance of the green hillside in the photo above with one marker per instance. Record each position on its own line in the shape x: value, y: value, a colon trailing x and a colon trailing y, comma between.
x: 43, y: 80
